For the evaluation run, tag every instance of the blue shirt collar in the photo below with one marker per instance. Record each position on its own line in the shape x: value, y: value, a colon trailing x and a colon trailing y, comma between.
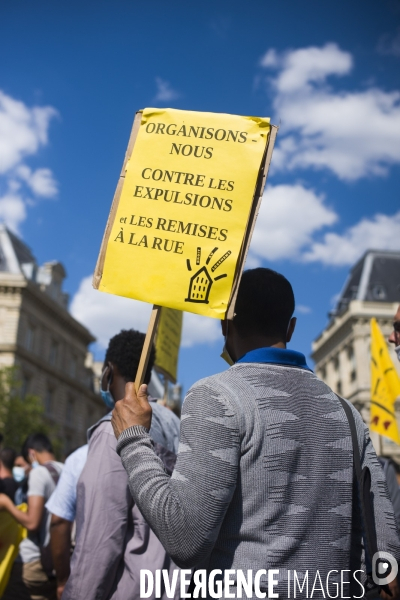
x: 276, y: 356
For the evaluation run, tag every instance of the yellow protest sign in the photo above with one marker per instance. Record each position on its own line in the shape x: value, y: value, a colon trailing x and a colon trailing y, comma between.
x: 184, y: 209
x: 168, y: 341
x: 11, y: 535
x: 385, y: 387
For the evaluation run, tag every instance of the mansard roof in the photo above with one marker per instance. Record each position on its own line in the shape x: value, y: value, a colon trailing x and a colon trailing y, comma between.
x: 374, y: 278
x: 16, y: 258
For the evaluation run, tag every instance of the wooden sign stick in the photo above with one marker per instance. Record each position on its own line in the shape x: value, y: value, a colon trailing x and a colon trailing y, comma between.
x: 148, y: 343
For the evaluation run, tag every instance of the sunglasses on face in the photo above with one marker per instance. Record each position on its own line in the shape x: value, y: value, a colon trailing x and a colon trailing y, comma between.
x: 396, y: 326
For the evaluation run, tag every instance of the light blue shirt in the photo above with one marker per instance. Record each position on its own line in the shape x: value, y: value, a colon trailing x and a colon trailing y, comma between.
x: 62, y: 502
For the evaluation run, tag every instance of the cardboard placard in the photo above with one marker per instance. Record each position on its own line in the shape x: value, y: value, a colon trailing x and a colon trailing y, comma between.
x: 168, y: 341
x: 184, y: 210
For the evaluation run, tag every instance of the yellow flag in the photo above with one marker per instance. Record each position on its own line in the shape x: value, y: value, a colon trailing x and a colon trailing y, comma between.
x: 168, y: 341
x: 182, y: 209
x: 385, y: 387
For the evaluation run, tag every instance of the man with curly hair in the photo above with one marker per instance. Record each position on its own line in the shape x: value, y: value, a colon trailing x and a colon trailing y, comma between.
x: 113, y: 539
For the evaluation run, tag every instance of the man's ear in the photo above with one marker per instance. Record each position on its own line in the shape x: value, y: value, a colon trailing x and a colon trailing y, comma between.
x: 291, y: 328
x: 107, y: 373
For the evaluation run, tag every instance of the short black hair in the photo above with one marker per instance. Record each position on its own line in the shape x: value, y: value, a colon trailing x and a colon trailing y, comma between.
x: 36, y: 441
x: 265, y: 303
x: 7, y: 457
x: 124, y: 351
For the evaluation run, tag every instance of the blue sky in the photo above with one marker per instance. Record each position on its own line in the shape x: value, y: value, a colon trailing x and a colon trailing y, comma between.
x: 73, y: 74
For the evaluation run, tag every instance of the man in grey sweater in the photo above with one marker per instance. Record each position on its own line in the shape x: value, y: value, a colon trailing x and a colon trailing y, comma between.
x: 264, y: 475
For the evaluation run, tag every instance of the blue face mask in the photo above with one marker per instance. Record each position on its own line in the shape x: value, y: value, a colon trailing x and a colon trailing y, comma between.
x: 35, y: 464
x: 106, y: 396
x: 18, y: 473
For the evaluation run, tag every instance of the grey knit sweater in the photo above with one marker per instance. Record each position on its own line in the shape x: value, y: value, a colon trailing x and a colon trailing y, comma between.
x: 264, y: 477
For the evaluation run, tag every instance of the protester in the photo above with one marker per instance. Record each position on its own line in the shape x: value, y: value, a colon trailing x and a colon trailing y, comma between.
x: 29, y: 580
x: 394, y: 337
x: 390, y: 470
x: 113, y: 541
x: 264, y: 474
x: 8, y: 485
x: 62, y: 506
x: 21, y: 472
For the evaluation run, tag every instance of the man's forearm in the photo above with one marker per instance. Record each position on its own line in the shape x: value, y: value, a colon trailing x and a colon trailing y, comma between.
x: 60, y: 543
x: 25, y: 519
x: 186, y: 510
x: 151, y: 490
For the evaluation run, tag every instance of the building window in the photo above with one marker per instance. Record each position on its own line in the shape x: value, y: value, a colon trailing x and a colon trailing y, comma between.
x: 72, y: 367
x: 69, y: 414
x: 339, y: 388
x: 352, y: 360
x: 25, y: 385
x: 29, y: 337
x: 53, y: 353
x: 48, y: 401
x: 336, y: 363
x: 379, y: 292
x: 322, y: 373
x: 351, y: 356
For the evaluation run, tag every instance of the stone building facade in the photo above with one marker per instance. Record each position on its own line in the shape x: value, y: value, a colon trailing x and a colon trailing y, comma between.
x: 41, y: 338
x: 342, y: 351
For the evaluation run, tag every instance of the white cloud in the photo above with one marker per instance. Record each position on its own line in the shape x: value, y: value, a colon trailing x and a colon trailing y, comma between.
x: 390, y: 44
x: 199, y: 330
x: 41, y: 182
x: 288, y: 218
x: 299, y: 68
x: 380, y: 232
x: 303, y: 310
x: 292, y: 216
x: 12, y: 210
x: 165, y: 92
x: 354, y: 134
x: 105, y: 315
x: 270, y: 58
x: 23, y: 131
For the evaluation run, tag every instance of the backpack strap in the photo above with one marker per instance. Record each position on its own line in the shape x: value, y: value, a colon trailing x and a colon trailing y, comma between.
x: 54, y: 474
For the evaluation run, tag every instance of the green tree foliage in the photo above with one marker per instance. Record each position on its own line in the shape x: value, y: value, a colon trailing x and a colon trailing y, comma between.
x: 20, y: 415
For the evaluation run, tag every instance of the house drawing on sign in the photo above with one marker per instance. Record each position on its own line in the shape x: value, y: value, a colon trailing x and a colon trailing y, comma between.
x: 199, y: 286
x: 200, y: 283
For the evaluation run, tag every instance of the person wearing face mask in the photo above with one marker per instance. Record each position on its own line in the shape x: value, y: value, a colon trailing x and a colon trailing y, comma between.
x: 113, y: 540
x: 8, y: 484
x: 30, y: 577
x: 21, y: 471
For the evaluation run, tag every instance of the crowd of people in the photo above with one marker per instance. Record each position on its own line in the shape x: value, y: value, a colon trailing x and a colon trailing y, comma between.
x: 258, y: 476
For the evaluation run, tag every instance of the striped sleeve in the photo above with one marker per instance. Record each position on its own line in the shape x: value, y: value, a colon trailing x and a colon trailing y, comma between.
x: 186, y: 511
